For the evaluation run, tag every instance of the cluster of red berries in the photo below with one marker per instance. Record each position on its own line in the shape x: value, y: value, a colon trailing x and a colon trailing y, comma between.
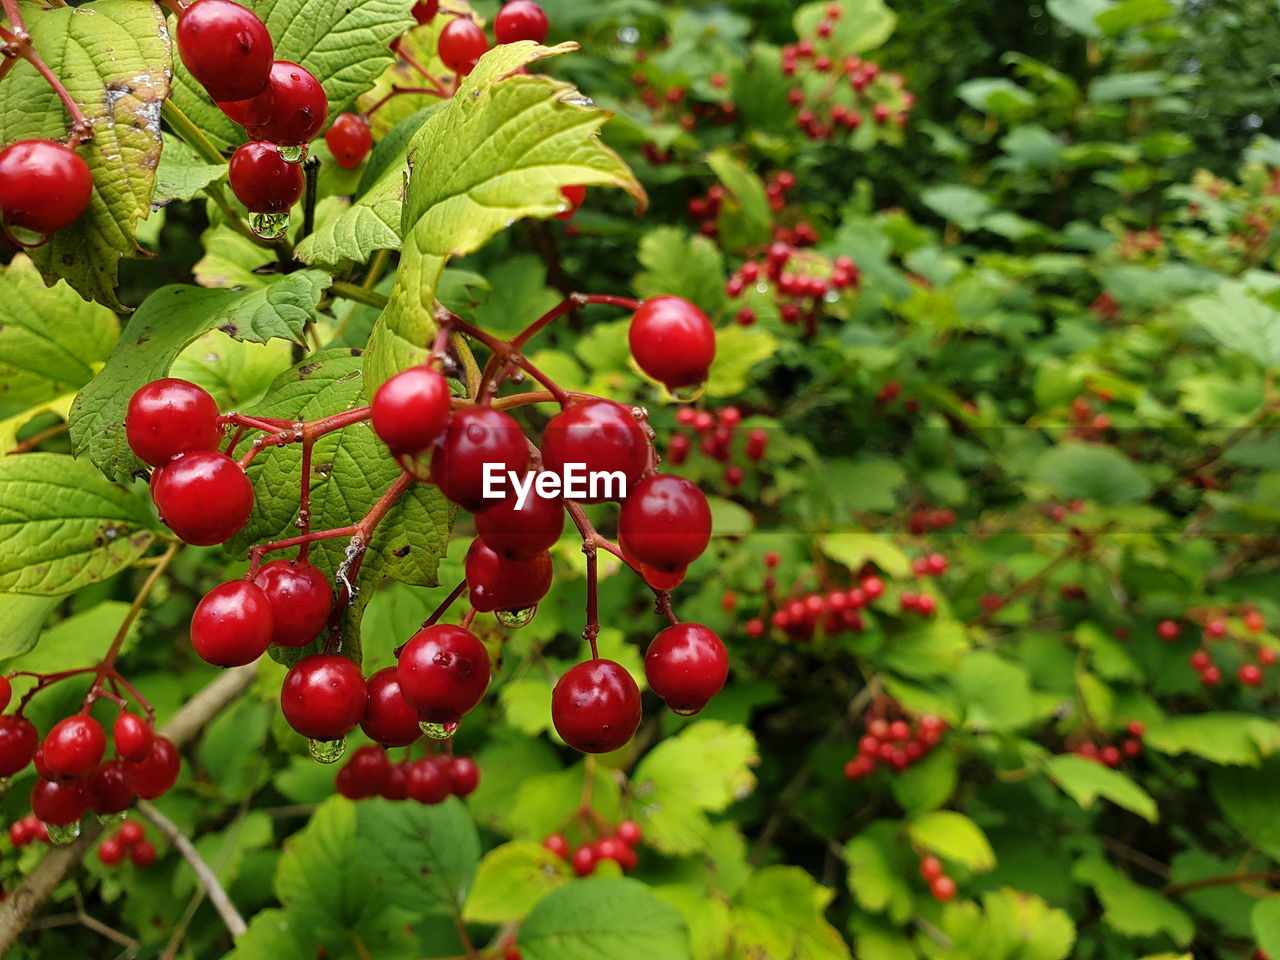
x: 833, y: 611
x: 715, y: 432
x: 44, y: 186
x: 840, y: 93
x: 1109, y: 754
x: 428, y: 780
x: 74, y: 774
x: 131, y: 841
x: 890, y: 392
x: 618, y: 846
x: 1086, y: 424
x: 799, y: 292
x: 924, y: 521
x: 941, y: 887
x: 894, y: 740
x: 1250, y: 674
x: 674, y: 104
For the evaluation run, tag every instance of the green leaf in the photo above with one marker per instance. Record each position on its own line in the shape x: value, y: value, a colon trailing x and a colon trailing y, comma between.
x: 930, y: 649
x: 273, y: 935
x: 1223, y: 738
x: 855, y: 549
x: 862, y: 26
x: 524, y: 137
x: 64, y: 527
x: 1246, y: 798
x: 593, y: 919
x: 511, y: 879
x: 879, y: 865
x: 1131, y: 909
x: 1265, y: 921
x: 745, y: 218
x: 1008, y: 924
x: 166, y: 322
x: 963, y: 206
x: 526, y: 704
x: 537, y: 805
x: 998, y: 96
x: 738, y: 350
x: 953, y: 836
x: 781, y: 913
x: 424, y: 858
x: 1080, y: 15
x: 680, y: 264
x: 22, y: 616
x: 344, y: 43
x: 673, y: 805
x: 867, y: 483
x: 1091, y: 472
x: 1239, y: 321
x: 113, y: 58
x: 79, y: 640
x: 709, y: 918
x: 927, y: 784
x: 182, y: 174
x: 996, y: 692
x: 1086, y: 780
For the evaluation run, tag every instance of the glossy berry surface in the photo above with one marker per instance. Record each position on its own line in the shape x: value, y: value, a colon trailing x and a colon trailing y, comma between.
x: 425, y: 10
x: 44, y: 186
x: 595, y: 706
x: 427, y: 781
x: 263, y: 180
x: 461, y: 45
x: 443, y: 672
x: 476, y: 436
x: 388, y: 718
x: 232, y: 624
x: 132, y: 736
x: 521, y: 533
x: 18, y: 743
x: 204, y: 497
x: 603, y: 436
x: 349, y: 140
x: 56, y: 802
x: 154, y: 774
x: 226, y: 48
x: 6, y: 693
x: 520, y: 20
x: 370, y: 768
x: 497, y: 584
x: 665, y: 522
x: 131, y: 833
x: 300, y: 597
x: 107, y: 790
x: 110, y: 851
x: 170, y: 417
x: 411, y: 410
x: 298, y: 108
x: 143, y: 854
x: 686, y: 665
x: 464, y: 776
x: 74, y: 746
x: 323, y: 696
x: 672, y: 341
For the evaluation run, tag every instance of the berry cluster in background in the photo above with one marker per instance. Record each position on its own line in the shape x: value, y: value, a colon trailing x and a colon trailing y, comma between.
x: 602, y: 841
x: 894, y: 740
x: 432, y: 779
x: 716, y: 432
x: 799, y: 284
x: 1242, y: 645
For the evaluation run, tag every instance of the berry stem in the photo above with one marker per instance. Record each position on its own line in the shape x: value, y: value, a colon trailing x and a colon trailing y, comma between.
x: 311, y: 169
x: 304, y: 497
x: 575, y: 301
x: 208, y: 879
x: 592, y: 628
x: 398, y: 91
x: 359, y: 294
x: 19, y: 41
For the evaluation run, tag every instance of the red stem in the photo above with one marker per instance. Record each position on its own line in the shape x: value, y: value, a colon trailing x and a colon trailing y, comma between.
x: 20, y: 42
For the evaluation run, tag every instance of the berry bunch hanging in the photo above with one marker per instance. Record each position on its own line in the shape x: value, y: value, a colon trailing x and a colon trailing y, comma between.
x: 800, y: 284
x: 716, y: 432
x: 894, y: 740
x: 428, y: 780
x: 130, y: 840
x: 601, y: 842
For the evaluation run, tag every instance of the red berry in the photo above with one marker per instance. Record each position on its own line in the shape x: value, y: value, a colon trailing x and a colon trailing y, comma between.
x: 396, y: 786
x: 1110, y: 756
x: 370, y: 768
x: 584, y: 861
x: 1136, y: 728
x: 6, y: 692
x: 107, y: 790
x: 1216, y: 628
x: 298, y: 106
x: 521, y: 533
x: 610, y: 848
x: 348, y: 784
x: 1200, y: 660
x: 131, y: 833
x: 573, y: 195
x: 558, y: 844
x: 74, y: 746
x: 424, y: 10
x: 110, y: 851
x: 477, y: 436
x: 411, y: 410
x: 226, y: 48
x: 1167, y: 630
x: 167, y: 418
x: 1211, y: 676
x: 520, y: 20
x: 443, y: 672
x: 204, y: 496
x: 152, y: 776
x: 22, y: 832
x: 349, y: 140
x: 59, y: 803
x: 232, y: 624
x: 597, y: 436
x: 300, y: 599
x: 1266, y: 657
x: 464, y: 776
x: 1253, y: 621
x: 595, y: 706
x: 323, y: 696
x: 461, y: 45
x: 388, y: 718
x: 263, y: 180
x: 665, y: 522
x: 629, y: 832
x: 943, y: 889
x: 673, y: 342
x: 931, y: 869
x: 18, y: 743
x: 44, y: 186
x: 497, y: 584
x: 1250, y: 674
x: 873, y: 587
x: 427, y: 781
x: 143, y: 854
x: 686, y: 665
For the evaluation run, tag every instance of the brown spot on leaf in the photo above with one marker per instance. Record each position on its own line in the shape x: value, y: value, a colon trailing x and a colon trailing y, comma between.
x: 401, y: 551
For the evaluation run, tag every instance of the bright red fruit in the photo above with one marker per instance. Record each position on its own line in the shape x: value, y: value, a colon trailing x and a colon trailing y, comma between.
x: 427, y: 781
x: 595, y: 706
x: 300, y: 598
x: 153, y: 775
x: 44, y: 186
x: 323, y: 696
x: 74, y: 746
x: 521, y: 533
x: 170, y: 417
x: 598, y: 436
x: 107, y: 790
x: 497, y: 584
x: 464, y: 776
x: 56, y: 802
x: 204, y: 496
x: 349, y: 140
x: 943, y: 889
x: 298, y: 109
x: 1250, y: 674
x: 476, y: 436
x: 461, y: 45
x: 263, y: 180
x: 665, y: 522
x: 232, y: 624
x: 629, y: 832
x: 584, y: 861
x: 520, y: 20
x: 672, y: 341
x: 226, y: 48
x: 411, y: 410
x: 388, y: 718
x: 686, y: 665
x: 558, y: 844
x: 131, y: 833
x: 424, y: 10
x: 370, y: 767
x: 110, y: 851
x: 18, y: 743
x: 443, y: 672
x: 397, y: 785
x: 143, y: 854
x: 6, y: 692
x: 574, y: 194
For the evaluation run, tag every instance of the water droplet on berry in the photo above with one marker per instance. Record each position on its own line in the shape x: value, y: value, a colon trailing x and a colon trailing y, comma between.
x: 687, y: 394
x: 686, y: 713
x: 515, y: 619
x: 438, y: 731
x: 25, y: 237
x: 327, y: 751
x: 269, y: 226
x: 64, y: 835
x: 112, y: 819
x: 292, y: 154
